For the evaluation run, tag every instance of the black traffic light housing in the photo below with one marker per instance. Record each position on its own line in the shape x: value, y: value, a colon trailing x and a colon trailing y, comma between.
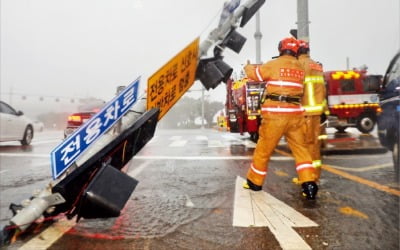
x: 84, y: 189
x: 234, y: 41
x: 249, y: 12
x: 212, y: 71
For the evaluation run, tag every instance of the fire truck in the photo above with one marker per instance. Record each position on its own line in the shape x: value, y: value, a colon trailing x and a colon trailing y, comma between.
x: 352, y: 98
x: 243, y: 107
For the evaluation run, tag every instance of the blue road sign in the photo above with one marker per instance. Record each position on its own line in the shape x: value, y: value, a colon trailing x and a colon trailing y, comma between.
x: 71, y: 148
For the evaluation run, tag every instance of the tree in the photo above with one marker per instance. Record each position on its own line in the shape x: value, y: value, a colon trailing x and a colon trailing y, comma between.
x: 186, y: 110
x: 210, y: 110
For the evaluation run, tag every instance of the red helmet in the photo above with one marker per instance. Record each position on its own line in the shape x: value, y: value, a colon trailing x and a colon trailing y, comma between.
x: 289, y: 44
x: 303, y: 44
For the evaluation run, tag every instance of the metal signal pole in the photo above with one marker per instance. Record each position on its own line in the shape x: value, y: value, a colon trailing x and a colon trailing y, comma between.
x: 258, y: 36
x: 302, y: 20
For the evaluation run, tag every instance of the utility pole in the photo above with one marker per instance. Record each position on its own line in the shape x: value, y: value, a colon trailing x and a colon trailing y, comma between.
x: 258, y: 36
x: 302, y: 20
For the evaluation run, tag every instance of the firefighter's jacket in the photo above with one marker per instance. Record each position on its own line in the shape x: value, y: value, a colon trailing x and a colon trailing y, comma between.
x: 284, y: 76
x: 314, y: 98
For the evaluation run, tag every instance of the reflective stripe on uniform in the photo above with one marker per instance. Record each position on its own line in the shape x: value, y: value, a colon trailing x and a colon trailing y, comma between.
x: 316, y: 108
x: 286, y: 84
x: 317, y: 163
x: 322, y: 137
x: 257, y: 171
x: 314, y: 79
x: 258, y: 74
x: 309, y: 85
x: 310, y: 92
x: 282, y: 109
x: 303, y: 166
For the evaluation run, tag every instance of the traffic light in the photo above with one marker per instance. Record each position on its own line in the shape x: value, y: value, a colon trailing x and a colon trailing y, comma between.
x: 234, y: 41
x: 249, y: 11
x: 212, y: 71
x: 98, y: 188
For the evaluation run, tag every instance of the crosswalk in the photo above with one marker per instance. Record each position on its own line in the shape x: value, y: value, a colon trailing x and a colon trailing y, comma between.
x: 212, y: 141
x: 220, y: 141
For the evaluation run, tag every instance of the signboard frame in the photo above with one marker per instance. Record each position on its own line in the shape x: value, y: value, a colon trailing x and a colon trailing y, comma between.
x: 65, y: 154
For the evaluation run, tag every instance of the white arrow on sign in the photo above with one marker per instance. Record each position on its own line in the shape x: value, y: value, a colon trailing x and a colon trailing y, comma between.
x: 260, y: 209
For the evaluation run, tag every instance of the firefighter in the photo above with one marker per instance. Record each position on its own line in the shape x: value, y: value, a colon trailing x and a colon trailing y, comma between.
x: 314, y: 103
x: 282, y: 115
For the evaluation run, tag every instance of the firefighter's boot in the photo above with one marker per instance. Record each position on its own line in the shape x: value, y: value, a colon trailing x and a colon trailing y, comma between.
x: 309, y: 190
x: 250, y: 185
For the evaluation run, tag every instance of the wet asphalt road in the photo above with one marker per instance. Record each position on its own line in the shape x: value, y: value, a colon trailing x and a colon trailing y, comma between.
x: 186, y: 195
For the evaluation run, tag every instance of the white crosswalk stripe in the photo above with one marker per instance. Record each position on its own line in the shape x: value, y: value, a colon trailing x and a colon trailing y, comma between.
x: 201, y: 138
x: 178, y: 143
x: 215, y: 144
x: 225, y: 140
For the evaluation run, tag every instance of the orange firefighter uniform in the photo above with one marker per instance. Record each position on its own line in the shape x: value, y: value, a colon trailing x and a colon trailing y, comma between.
x: 282, y: 114
x: 314, y: 103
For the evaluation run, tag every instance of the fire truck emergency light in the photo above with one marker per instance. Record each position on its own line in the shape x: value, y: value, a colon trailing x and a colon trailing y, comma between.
x: 212, y: 71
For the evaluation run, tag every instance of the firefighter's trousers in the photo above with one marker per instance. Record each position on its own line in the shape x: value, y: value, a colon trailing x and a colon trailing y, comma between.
x: 313, y: 143
x: 272, y: 128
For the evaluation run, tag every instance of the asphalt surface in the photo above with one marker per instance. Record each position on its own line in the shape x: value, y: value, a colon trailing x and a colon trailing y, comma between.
x: 188, y: 197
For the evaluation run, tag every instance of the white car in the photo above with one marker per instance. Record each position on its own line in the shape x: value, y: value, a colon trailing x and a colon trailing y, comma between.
x: 14, y: 126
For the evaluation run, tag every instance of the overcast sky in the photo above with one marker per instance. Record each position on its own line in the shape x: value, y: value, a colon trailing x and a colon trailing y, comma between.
x: 78, y: 48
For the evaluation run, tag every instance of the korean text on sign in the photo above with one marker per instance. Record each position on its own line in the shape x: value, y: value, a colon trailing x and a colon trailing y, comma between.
x: 70, y: 149
x: 167, y: 85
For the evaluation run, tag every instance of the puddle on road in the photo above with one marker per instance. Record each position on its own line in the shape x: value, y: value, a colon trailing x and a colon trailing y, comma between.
x: 150, y: 215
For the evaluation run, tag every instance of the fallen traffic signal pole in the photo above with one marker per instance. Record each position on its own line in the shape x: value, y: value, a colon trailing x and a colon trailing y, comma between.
x: 79, y: 188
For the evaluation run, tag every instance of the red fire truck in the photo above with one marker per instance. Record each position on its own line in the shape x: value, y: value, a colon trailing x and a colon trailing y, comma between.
x: 351, y: 95
x: 243, y: 106
x: 352, y: 99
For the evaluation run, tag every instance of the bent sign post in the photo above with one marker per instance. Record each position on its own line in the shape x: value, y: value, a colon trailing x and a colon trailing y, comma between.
x: 168, y: 84
x: 71, y: 148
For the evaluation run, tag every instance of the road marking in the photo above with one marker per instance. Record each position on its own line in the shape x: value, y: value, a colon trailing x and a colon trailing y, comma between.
x: 178, y: 143
x: 341, y: 157
x: 334, y: 170
x: 205, y: 158
x: 231, y: 137
x: 360, y: 180
x: 153, y: 140
x: 215, y: 144
x: 135, y: 172
x: 46, y: 142
x: 249, y: 144
x: 201, y: 138
x: 41, y: 164
x: 363, y: 169
x: 175, y: 138
x: 25, y: 155
x: 260, y: 209
x: 46, y: 238
x: 353, y: 212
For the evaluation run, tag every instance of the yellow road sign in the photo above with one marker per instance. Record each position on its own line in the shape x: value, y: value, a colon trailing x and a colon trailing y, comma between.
x: 168, y: 84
